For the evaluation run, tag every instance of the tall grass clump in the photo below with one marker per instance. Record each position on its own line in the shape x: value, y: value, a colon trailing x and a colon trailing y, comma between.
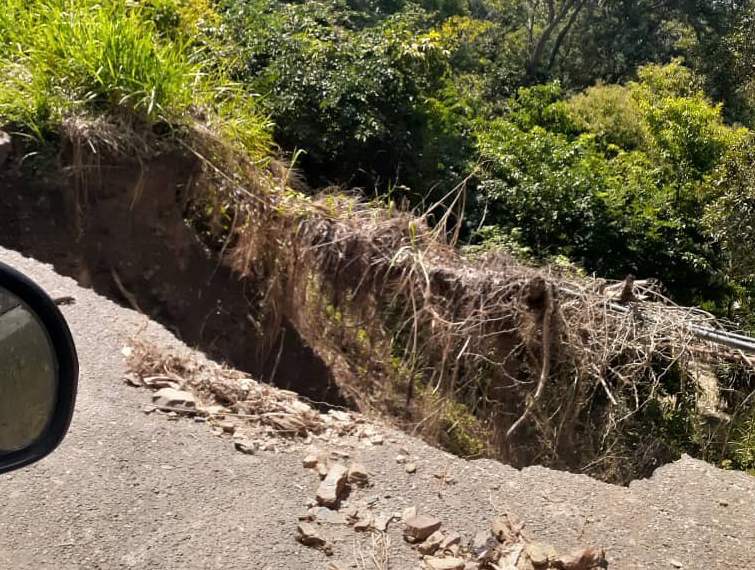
x: 70, y: 58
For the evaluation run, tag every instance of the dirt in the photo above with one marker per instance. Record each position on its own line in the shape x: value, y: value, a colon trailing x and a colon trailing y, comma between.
x: 129, y: 490
x: 124, y: 225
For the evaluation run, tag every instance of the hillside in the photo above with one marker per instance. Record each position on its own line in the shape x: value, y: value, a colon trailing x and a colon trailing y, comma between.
x: 415, y: 210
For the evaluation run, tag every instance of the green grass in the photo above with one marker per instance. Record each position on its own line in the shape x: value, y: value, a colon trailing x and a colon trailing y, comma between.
x: 70, y: 58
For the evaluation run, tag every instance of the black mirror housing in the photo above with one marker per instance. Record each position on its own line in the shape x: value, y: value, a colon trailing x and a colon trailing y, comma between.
x: 65, y: 369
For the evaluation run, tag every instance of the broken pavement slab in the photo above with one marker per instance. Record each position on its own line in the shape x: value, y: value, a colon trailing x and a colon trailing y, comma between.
x: 332, y: 486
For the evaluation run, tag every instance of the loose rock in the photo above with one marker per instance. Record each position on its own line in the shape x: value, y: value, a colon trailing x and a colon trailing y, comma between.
x: 419, y: 527
x: 444, y: 563
x: 450, y: 540
x: 227, y: 426
x: 363, y: 524
x: 172, y: 398
x: 335, y: 566
x: 411, y: 468
x: 432, y: 543
x: 483, y: 547
x: 357, y: 474
x: 540, y: 553
x: 332, y: 486
x: 245, y: 446
x: 308, y: 536
x: 408, y: 513
x: 381, y: 522
x: 586, y: 559
x: 504, y: 530
x: 310, y: 461
x: 401, y: 458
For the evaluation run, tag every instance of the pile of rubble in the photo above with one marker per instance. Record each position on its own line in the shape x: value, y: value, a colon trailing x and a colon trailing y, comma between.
x: 258, y: 416
x: 503, y: 547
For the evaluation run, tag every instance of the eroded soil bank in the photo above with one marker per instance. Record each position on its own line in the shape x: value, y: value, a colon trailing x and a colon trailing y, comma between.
x: 119, y: 228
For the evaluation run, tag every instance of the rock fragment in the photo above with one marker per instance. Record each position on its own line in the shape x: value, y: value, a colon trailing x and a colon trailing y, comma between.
x: 504, y: 530
x: 357, y: 474
x: 363, y: 524
x: 245, y: 446
x: 444, y: 563
x: 310, y: 461
x: 450, y: 540
x: 411, y: 468
x: 432, y: 543
x: 308, y: 536
x: 408, y: 513
x: 381, y: 522
x: 483, y: 547
x: 332, y: 486
x: 586, y: 559
x: 540, y: 553
x: 419, y: 527
x: 335, y: 566
x: 172, y: 398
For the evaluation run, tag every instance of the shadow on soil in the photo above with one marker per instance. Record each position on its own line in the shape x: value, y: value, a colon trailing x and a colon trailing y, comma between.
x: 133, y: 246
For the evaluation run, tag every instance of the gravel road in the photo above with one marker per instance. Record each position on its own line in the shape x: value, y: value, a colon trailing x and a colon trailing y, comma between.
x: 129, y: 490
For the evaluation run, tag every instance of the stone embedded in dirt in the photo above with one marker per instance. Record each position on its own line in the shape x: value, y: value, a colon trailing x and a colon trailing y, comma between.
x: 376, y: 439
x: 451, y: 540
x: 332, y: 486
x: 419, y: 527
x: 357, y: 474
x: 245, y: 446
x: 172, y: 398
x: 540, y: 553
x: 586, y: 559
x: 401, y: 458
x: 411, y: 468
x: 444, y: 563
x: 432, y: 543
x: 335, y: 566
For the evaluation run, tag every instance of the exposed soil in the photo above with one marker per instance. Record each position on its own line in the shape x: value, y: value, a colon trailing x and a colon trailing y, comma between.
x: 120, y: 229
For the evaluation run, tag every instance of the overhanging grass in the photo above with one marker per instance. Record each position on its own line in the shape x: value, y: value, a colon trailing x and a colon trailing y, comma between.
x: 66, y: 58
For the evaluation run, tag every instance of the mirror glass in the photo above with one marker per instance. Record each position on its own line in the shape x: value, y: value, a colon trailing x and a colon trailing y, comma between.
x: 28, y: 375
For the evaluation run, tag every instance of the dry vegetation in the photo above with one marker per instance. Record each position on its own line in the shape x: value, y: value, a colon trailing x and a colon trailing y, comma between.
x: 482, y: 355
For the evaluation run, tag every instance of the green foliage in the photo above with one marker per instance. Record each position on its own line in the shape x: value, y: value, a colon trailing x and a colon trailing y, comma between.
x: 63, y: 58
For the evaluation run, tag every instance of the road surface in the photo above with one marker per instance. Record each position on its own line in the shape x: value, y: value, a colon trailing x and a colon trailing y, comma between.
x: 130, y: 490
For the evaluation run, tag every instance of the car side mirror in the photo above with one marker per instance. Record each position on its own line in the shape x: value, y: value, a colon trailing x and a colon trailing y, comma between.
x: 38, y: 372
